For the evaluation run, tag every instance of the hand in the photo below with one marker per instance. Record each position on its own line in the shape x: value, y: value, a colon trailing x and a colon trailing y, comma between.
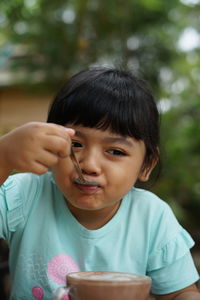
x: 34, y: 147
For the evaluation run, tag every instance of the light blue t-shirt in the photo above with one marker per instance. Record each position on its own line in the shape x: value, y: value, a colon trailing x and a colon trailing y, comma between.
x: 47, y: 242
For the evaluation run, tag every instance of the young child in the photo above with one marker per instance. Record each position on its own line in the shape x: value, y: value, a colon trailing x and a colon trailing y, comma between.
x: 55, y: 225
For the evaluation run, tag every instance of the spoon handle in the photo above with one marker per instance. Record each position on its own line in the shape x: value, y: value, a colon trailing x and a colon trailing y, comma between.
x: 77, y: 166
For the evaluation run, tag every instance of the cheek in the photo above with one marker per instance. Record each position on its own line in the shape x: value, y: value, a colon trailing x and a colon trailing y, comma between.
x: 130, y: 169
x: 127, y: 174
x: 123, y: 177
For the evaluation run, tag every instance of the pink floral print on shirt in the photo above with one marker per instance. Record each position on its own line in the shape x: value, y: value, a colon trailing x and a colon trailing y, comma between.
x: 60, y: 266
x: 38, y: 292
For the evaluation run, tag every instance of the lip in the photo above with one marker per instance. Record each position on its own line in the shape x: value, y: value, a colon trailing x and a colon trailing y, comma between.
x: 89, y: 189
x: 87, y: 182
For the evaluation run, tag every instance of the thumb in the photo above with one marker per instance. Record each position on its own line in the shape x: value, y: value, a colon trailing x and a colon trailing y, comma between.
x: 70, y: 131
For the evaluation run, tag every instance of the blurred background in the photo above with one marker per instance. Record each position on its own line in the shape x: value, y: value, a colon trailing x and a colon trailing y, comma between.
x: 42, y: 43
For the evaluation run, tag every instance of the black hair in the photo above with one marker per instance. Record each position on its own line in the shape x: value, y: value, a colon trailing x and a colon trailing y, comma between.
x: 113, y: 99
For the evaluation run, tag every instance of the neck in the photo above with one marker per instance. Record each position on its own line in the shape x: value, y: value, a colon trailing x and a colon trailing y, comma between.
x: 94, y: 219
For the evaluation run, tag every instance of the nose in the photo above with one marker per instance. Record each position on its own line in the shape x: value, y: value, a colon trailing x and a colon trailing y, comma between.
x: 90, y: 163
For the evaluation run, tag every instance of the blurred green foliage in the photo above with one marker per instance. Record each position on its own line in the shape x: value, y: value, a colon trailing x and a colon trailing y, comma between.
x: 157, y: 38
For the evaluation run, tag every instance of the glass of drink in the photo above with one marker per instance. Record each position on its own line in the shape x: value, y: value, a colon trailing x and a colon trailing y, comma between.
x: 104, y: 286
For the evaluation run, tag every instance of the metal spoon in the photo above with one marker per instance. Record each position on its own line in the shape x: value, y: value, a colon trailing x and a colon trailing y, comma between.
x: 80, y: 179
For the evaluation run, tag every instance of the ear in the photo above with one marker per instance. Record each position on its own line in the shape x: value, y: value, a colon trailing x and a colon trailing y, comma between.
x: 146, y: 171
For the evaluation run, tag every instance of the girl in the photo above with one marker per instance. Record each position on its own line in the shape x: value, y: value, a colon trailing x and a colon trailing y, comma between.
x: 55, y: 224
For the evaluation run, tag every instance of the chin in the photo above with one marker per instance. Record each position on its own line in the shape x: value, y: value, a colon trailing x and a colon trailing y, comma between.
x: 85, y: 205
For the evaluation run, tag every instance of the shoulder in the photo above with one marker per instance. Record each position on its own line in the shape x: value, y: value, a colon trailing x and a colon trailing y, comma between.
x: 153, y: 213
x: 25, y: 183
x: 23, y: 189
x: 147, y: 201
x: 18, y: 195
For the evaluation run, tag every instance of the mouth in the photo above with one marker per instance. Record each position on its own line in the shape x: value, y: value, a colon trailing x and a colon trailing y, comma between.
x: 86, y: 183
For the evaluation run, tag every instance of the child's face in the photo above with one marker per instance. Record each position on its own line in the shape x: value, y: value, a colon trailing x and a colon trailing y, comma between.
x: 112, y: 161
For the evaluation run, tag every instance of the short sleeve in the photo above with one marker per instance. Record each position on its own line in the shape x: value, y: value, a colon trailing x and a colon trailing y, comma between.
x: 15, y: 197
x: 173, y: 250
x: 175, y: 276
x: 11, y: 209
x: 170, y: 264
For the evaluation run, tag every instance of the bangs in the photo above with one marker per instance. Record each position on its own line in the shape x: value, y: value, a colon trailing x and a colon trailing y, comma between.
x: 97, y: 106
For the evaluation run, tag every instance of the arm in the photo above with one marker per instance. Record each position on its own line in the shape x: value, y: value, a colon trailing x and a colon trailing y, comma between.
x: 189, y: 293
x: 33, y: 147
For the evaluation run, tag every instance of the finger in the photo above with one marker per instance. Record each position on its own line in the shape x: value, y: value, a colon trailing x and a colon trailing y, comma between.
x: 47, y: 158
x: 38, y: 168
x: 55, y: 129
x: 58, y: 145
x: 70, y: 131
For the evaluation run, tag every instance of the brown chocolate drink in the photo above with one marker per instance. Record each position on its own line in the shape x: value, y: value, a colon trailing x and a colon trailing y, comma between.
x: 108, y: 286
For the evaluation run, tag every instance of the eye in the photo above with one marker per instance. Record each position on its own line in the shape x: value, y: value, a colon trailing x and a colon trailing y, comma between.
x: 116, y: 152
x: 76, y: 144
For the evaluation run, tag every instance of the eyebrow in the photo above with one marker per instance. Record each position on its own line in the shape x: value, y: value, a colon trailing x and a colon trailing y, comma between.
x: 118, y: 139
